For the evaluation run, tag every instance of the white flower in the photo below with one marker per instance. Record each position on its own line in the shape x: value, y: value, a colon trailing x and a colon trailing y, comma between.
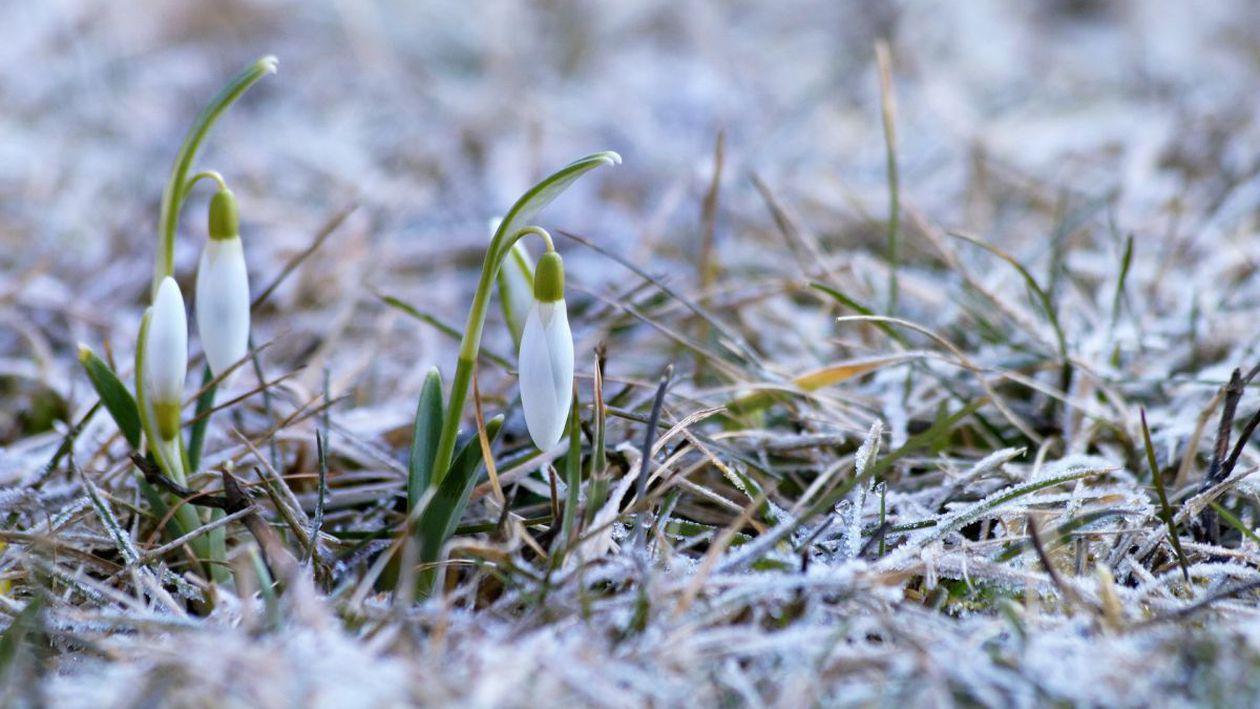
x: 166, y: 357
x: 546, y: 372
x: 223, y: 303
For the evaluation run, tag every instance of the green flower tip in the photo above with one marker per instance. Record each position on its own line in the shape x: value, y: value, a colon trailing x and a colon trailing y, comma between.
x: 268, y: 64
x: 224, y: 217
x: 549, y: 278
x: 85, y: 353
x: 167, y: 414
x: 611, y: 157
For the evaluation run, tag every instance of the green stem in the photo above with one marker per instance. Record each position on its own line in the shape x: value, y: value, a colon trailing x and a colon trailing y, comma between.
x: 166, y: 454
x: 470, y: 344
x: 177, y: 185
x: 204, y: 175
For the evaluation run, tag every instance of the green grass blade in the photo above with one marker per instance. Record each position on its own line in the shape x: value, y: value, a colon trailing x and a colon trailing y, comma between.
x: 1165, y: 509
x: 1043, y: 298
x: 572, y: 477
x: 860, y: 309
x: 598, y: 485
x: 1234, y: 522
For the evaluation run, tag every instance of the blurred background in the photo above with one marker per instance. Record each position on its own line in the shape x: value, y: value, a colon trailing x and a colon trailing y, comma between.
x: 427, y: 119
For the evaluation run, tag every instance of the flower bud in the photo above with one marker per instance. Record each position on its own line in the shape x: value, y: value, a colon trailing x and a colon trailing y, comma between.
x: 546, y: 357
x: 223, y: 289
x: 166, y: 357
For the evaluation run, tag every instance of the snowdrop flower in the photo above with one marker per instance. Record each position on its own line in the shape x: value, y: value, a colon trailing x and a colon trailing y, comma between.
x: 223, y: 288
x: 546, y: 358
x: 166, y: 357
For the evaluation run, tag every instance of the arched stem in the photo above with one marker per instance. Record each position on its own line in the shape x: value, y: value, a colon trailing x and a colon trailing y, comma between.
x: 204, y: 175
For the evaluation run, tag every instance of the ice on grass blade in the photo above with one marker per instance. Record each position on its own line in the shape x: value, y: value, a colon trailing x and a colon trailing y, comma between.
x: 546, y: 357
x: 223, y: 289
x: 166, y: 357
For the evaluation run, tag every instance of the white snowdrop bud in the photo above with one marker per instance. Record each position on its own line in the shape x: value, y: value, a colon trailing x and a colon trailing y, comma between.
x: 546, y: 358
x: 223, y: 289
x: 166, y: 357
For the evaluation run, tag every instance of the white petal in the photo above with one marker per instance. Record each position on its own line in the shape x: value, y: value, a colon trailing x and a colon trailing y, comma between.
x: 166, y: 348
x: 519, y: 294
x: 223, y: 303
x: 546, y: 372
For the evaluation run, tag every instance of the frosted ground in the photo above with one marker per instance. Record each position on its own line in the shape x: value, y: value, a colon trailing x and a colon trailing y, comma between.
x: 1014, y: 554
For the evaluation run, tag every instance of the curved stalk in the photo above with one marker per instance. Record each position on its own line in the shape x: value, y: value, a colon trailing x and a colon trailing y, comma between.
x: 204, y: 175
x: 510, y: 230
x: 178, y: 184
x: 470, y: 345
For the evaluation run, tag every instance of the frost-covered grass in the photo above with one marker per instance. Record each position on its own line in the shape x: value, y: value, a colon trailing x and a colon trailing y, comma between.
x: 949, y: 501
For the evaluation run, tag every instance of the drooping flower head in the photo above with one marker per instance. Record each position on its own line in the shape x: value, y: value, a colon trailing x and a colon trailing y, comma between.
x: 546, y: 357
x: 223, y: 288
x: 166, y: 357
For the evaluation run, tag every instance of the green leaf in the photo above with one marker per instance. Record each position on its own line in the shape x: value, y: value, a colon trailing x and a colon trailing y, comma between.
x: 424, y: 437
x: 543, y: 193
x: 114, y: 395
x: 441, y: 515
x: 201, y: 420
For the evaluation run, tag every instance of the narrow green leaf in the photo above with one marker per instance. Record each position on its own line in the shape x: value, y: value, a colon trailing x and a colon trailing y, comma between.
x: 598, y: 486
x: 1234, y: 522
x: 572, y: 476
x: 201, y: 420
x: 543, y: 193
x: 440, y: 517
x: 424, y: 437
x: 1126, y: 261
x: 1166, y: 511
x: 114, y: 395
